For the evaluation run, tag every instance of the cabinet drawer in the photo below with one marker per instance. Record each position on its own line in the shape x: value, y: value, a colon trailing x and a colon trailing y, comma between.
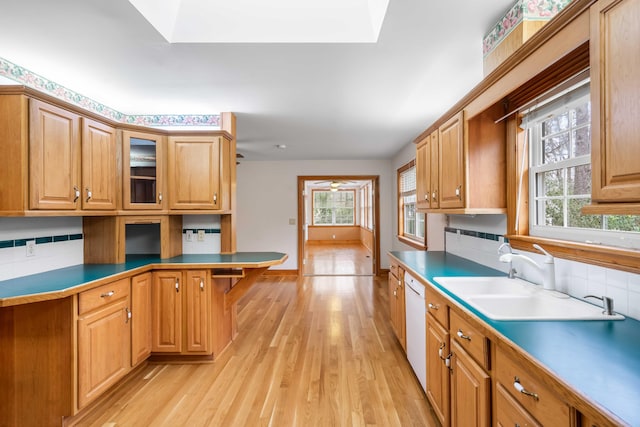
x: 394, y: 270
x: 469, y: 338
x: 545, y: 406
x: 511, y: 413
x: 436, y: 304
x: 103, y: 295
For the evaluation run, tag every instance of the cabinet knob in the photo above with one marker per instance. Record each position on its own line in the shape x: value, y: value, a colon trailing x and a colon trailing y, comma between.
x: 202, y: 285
x: 426, y: 197
x: 521, y: 389
x: 215, y: 197
x: 89, y: 195
x: 458, y: 191
x: 159, y: 197
x: 462, y: 335
x: 76, y: 191
x: 434, y: 196
x: 126, y: 320
x: 177, y: 285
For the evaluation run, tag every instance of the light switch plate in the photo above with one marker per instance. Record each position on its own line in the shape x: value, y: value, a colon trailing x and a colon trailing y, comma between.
x: 200, y: 235
x: 31, y: 248
x: 189, y: 235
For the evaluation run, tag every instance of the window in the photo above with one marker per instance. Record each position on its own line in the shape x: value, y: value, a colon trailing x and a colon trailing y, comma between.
x: 366, y: 207
x: 411, y: 223
x: 333, y: 207
x: 560, y: 175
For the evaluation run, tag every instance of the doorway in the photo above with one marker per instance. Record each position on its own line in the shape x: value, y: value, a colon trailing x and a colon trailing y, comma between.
x: 338, y: 225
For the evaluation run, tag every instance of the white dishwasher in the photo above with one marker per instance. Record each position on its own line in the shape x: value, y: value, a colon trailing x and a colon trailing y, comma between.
x: 416, y: 327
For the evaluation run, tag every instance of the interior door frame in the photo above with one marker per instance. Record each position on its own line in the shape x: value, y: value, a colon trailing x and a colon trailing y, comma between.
x: 375, y: 184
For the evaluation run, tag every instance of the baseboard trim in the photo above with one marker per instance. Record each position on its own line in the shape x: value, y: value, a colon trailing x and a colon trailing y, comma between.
x: 280, y: 273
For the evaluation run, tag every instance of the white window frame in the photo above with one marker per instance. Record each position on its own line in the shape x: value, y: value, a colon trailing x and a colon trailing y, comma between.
x: 567, y: 100
x: 333, y: 209
x: 420, y: 218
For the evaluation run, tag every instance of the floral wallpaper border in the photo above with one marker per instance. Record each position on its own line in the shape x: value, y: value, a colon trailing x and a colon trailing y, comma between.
x: 35, y: 81
x: 530, y: 10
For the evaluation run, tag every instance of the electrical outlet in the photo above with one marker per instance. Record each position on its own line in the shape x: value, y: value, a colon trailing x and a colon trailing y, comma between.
x: 31, y: 248
x: 189, y: 235
x: 292, y: 221
x: 200, y: 235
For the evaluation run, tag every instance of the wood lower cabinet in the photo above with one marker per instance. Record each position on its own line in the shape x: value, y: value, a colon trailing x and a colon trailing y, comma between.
x: 615, y: 101
x: 470, y: 390
x: 438, y: 374
x: 140, y: 317
x: 397, y: 304
x: 509, y: 412
x: 104, y: 339
x: 181, y: 306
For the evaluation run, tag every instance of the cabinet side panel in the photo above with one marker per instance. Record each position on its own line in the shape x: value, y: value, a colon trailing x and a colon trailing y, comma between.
x: 44, y: 361
x: 14, y: 161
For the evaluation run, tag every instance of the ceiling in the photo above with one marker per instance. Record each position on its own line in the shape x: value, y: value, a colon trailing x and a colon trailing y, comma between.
x: 321, y: 100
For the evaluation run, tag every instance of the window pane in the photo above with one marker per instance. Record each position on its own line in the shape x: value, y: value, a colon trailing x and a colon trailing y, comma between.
x: 555, y: 124
x: 623, y: 222
x: 556, y: 148
x: 344, y: 216
x: 579, y: 180
x: 582, y: 141
x: 420, y: 225
x: 410, y: 219
x: 322, y: 216
x: 583, y: 114
x: 576, y: 219
x: 553, y: 213
x: 551, y: 183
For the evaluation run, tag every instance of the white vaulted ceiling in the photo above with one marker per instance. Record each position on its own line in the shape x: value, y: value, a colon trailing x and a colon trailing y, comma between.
x: 338, y: 91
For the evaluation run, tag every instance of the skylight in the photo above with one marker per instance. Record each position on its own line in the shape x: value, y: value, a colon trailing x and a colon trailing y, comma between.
x: 259, y: 21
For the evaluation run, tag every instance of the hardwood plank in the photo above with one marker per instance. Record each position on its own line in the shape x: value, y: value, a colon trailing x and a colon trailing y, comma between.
x: 311, y: 351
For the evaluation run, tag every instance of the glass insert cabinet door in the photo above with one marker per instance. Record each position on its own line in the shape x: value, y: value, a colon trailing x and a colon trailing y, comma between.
x: 143, y: 171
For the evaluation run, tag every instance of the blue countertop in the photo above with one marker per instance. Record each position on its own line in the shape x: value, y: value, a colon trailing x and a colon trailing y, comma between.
x: 599, y: 359
x: 55, y: 283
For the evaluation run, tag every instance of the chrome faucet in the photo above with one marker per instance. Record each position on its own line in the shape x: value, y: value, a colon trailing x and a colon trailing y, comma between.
x: 607, y: 303
x: 512, y: 271
x: 547, y: 269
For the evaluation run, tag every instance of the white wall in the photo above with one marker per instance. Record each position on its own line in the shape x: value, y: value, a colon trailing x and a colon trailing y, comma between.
x: 435, y: 222
x: 267, y: 199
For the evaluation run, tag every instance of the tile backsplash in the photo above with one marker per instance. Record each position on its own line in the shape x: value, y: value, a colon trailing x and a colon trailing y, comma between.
x: 59, y: 244
x: 575, y: 278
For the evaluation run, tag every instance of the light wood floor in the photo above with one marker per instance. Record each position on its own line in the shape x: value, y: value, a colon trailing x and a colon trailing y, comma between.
x: 315, y: 351
x: 339, y: 259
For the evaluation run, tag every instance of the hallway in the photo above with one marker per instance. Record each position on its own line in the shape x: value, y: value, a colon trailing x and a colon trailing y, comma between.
x: 339, y: 259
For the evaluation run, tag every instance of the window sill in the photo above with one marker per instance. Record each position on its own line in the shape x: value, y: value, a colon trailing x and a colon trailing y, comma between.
x: 604, y: 256
x: 413, y: 243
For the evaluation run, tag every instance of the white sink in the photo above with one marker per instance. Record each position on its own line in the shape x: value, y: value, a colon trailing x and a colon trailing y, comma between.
x: 501, y: 298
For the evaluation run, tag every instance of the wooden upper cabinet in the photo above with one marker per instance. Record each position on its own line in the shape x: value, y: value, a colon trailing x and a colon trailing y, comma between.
x: 143, y: 171
x: 432, y: 161
x: 451, y: 155
x: 54, y: 157
x: 194, y: 172
x: 615, y: 100
x: 423, y: 187
x: 99, y: 166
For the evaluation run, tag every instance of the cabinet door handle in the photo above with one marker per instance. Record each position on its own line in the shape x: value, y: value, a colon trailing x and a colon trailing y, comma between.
x: 434, y: 195
x: 177, y: 285
x: 458, y: 191
x: 126, y: 320
x: 426, y: 197
x: 107, y: 294
x: 89, y: 195
x: 160, y: 196
x: 202, y: 285
x: 433, y: 306
x: 395, y: 293
x: 76, y: 192
x: 521, y: 389
x: 462, y: 335
x: 215, y: 197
